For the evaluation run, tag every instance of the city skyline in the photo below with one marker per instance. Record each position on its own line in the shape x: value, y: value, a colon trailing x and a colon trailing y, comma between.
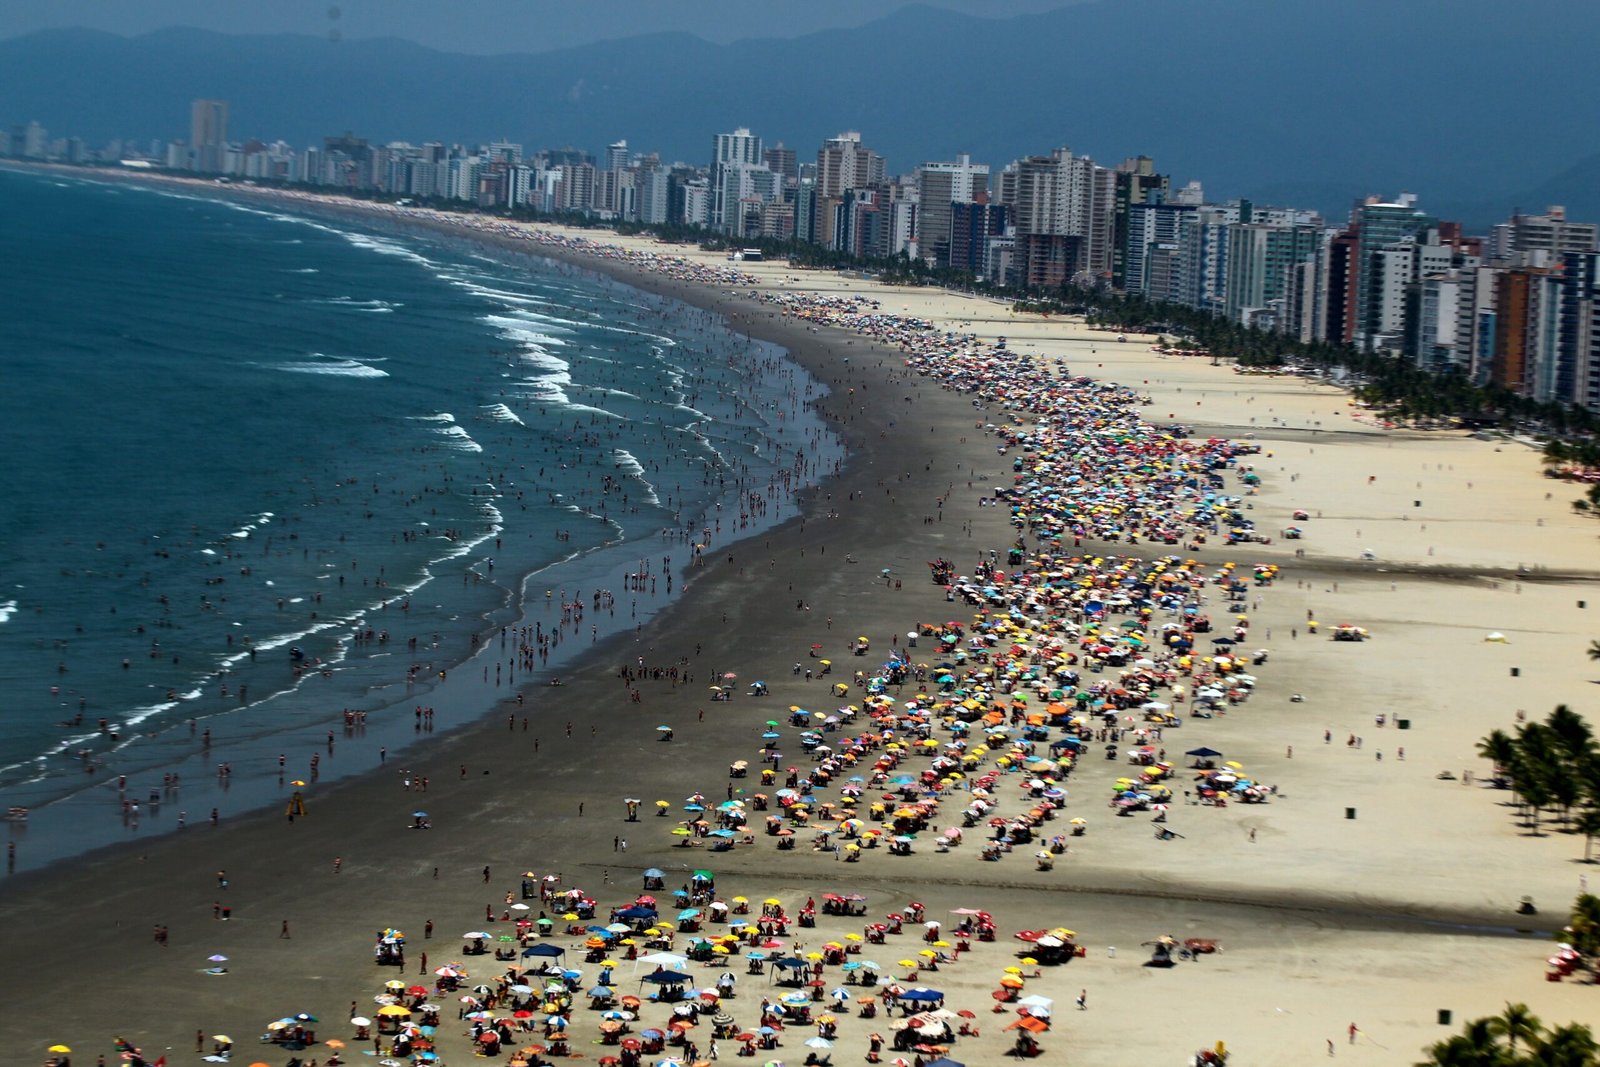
x: 1517, y: 308
x: 1247, y: 111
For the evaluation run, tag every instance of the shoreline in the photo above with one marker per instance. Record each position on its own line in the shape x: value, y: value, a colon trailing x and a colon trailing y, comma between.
x: 1290, y: 973
x: 253, y: 784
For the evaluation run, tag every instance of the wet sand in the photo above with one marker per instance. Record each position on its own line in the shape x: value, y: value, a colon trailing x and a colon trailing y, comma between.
x: 1381, y: 920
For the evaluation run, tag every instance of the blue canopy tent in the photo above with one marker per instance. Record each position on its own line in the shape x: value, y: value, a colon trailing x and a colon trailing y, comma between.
x: 544, y: 949
x: 666, y: 978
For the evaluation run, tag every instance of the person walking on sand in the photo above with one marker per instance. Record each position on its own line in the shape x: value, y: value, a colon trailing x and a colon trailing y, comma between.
x: 1083, y: 1000
x: 1354, y: 1030
x: 284, y: 931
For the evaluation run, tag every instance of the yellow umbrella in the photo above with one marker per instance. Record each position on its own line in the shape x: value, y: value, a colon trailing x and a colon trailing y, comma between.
x: 852, y: 937
x: 1235, y: 766
x: 907, y: 963
x: 570, y: 916
x: 741, y: 900
x: 772, y: 901
x: 393, y: 1009
x: 1013, y: 970
x: 58, y: 1048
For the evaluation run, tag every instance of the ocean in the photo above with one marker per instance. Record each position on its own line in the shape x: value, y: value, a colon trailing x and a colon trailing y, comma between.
x: 269, y: 468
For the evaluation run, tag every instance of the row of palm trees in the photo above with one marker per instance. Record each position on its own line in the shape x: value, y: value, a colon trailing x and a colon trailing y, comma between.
x: 1554, y: 764
x: 1515, y: 1037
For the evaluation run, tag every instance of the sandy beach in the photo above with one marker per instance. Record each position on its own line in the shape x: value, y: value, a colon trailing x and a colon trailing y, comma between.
x: 1368, y: 890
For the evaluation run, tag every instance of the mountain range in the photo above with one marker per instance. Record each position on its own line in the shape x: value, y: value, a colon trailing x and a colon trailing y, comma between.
x: 1478, y: 106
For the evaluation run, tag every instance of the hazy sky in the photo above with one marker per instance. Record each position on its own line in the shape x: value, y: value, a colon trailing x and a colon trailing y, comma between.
x: 482, y: 25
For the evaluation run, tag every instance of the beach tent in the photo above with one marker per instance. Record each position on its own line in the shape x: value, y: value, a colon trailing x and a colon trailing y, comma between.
x: 666, y: 978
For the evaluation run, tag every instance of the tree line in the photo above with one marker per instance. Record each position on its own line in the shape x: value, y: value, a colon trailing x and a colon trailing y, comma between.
x: 1552, y: 765
x: 1513, y: 1038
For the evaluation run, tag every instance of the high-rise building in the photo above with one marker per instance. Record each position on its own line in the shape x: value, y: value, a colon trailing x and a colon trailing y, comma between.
x: 941, y: 186
x: 1136, y: 183
x: 617, y: 156
x: 1578, y: 378
x: 1526, y: 236
x: 971, y: 227
x: 1381, y: 226
x: 1260, y: 274
x: 844, y: 163
x: 1063, y: 209
x: 208, y: 133
x: 782, y: 162
x: 652, y: 194
x: 728, y: 149
x: 1145, y: 226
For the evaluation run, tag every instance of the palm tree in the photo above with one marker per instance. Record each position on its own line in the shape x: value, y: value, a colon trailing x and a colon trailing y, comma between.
x: 1571, y: 731
x: 1478, y: 1045
x: 1594, y: 649
x: 1517, y: 1023
x: 1588, y: 824
x: 1499, y: 749
x: 1583, y: 928
x: 1567, y: 1046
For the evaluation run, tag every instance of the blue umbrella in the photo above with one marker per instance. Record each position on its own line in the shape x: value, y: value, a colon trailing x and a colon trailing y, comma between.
x: 654, y: 872
x: 921, y: 995
x: 602, y: 991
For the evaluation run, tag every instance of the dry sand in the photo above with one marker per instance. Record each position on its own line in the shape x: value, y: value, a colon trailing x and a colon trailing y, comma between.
x: 1380, y: 920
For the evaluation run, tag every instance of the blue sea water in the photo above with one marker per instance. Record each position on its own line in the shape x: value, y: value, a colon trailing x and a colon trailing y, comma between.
x: 265, y: 465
